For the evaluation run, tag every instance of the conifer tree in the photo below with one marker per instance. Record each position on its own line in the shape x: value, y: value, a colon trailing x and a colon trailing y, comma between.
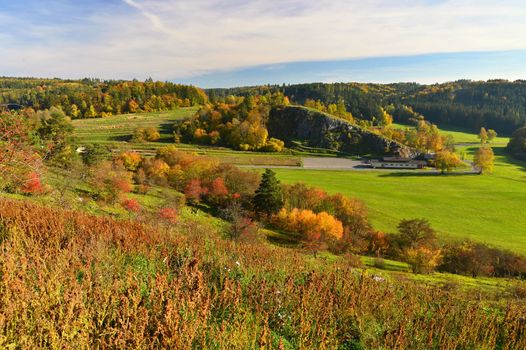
x: 268, y: 198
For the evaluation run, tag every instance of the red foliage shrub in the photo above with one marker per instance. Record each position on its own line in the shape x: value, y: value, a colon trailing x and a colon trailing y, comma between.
x: 168, y: 215
x: 193, y: 190
x: 131, y: 205
x: 32, y: 184
x: 218, y: 188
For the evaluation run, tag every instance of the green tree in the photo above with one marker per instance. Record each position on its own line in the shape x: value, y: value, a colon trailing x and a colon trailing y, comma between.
x: 268, y: 198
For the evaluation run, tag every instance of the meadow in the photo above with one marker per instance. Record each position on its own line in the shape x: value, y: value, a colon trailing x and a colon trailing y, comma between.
x: 487, y: 208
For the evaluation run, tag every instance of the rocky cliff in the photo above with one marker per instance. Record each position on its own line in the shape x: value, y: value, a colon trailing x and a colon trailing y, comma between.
x: 325, y: 131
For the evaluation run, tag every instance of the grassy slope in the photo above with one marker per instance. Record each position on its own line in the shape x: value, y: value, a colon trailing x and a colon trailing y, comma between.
x: 116, y: 131
x: 488, y: 208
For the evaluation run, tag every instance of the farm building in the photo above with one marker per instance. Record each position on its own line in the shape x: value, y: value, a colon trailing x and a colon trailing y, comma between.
x: 398, y: 163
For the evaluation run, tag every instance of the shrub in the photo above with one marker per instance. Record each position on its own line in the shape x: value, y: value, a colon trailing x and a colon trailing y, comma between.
x: 109, y: 181
x: 32, y: 185
x: 131, y: 205
x: 477, y: 259
x: 94, y: 154
x: 131, y: 160
x: 422, y: 259
x: 167, y: 215
x: 145, y: 135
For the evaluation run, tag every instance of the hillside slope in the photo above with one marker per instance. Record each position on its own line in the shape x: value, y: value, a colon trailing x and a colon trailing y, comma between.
x: 73, y: 281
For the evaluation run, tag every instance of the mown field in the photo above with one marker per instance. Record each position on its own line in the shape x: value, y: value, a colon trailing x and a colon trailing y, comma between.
x: 116, y: 133
x: 487, y: 208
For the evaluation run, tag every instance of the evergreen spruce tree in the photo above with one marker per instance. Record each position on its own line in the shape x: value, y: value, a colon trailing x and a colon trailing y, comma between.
x: 268, y: 198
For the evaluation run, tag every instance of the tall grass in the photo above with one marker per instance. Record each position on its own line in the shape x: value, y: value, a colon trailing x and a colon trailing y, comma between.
x: 73, y: 281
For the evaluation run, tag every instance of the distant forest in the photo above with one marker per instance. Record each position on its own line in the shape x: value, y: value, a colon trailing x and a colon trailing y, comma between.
x: 495, y: 104
x: 91, y: 98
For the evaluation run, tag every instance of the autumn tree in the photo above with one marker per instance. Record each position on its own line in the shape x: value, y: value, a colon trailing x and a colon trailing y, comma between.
x: 315, y: 229
x: 18, y: 152
x: 492, y: 134
x: 418, y: 245
x: 131, y: 160
x: 268, y: 198
x: 94, y: 154
x: 446, y: 161
x: 109, y: 181
x: 484, y: 159
x: 483, y: 135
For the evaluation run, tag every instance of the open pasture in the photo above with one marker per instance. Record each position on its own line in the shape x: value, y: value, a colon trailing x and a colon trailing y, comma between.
x: 487, y: 208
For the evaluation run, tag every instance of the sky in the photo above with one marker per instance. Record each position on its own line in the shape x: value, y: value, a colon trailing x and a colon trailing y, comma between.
x: 223, y: 43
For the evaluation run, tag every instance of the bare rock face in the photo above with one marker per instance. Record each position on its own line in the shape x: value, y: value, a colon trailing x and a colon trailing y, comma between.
x: 325, y: 131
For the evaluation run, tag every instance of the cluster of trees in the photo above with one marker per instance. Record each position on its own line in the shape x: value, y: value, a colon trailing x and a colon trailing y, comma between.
x: 424, y: 137
x: 311, y: 215
x: 362, y: 101
x: 239, y: 122
x: 417, y: 244
x: 149, y: 134
x: 90, y: 98
x: 517, y: 143
x: 27, y: 140
x: 498, y: 104
x: 338, y: 109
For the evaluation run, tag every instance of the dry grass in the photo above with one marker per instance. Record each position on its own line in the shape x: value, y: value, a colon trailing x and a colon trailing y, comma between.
x: 73, y: 281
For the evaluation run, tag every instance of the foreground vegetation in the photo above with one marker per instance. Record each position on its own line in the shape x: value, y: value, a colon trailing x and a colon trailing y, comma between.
x: 69, y: 280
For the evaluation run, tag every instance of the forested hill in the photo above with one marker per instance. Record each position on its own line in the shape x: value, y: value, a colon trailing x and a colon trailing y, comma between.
x: 495, y: 104
x: 89, y: 98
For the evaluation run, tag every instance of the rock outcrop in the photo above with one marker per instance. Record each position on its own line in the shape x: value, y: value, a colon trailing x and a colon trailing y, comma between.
x: 325, y: 131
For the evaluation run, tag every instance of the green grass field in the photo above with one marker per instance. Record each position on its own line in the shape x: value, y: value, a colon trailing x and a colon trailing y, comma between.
x: 461, y: 135
x: 487, y: 208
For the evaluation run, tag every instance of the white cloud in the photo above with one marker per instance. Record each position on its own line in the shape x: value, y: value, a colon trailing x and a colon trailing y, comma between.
x: 178, y: 38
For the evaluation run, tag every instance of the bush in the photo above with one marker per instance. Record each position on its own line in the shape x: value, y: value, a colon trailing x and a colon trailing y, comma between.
x: 94, y: 154
x: 145, y: 135
x: 131, y: 160
x: 477, y: 259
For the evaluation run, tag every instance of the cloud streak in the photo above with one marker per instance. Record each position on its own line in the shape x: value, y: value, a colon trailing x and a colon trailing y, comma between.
x: 175, y: 39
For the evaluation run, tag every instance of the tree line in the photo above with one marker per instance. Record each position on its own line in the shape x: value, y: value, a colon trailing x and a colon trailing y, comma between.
x: 91, y: 98
x: 496, y: 104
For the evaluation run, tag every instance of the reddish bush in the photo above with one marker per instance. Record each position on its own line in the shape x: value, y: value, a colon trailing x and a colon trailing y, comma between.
x: 32, y: 185
x: 218, y: 188
x: 168, y: 215
x: 193, y: 190
x: 131, y: 205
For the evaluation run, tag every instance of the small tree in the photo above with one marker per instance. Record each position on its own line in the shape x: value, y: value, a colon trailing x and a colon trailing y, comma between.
x: 268, y: 198
x: 483, y: 135
x: 446, y: 161
x: 484, y: 159
x: 492, y: 134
